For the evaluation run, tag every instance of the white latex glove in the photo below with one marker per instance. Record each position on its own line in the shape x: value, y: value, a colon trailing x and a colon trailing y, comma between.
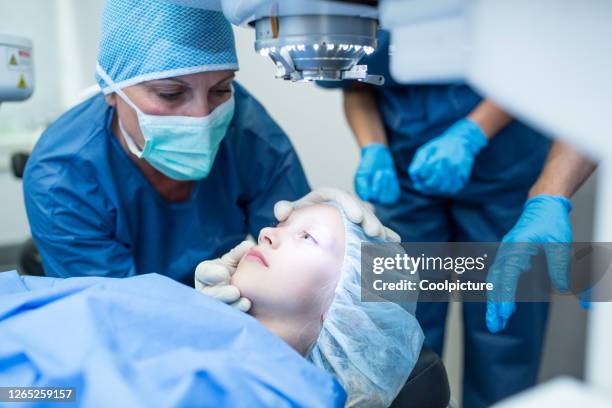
x: 213, y: 277
x: 356, y: 211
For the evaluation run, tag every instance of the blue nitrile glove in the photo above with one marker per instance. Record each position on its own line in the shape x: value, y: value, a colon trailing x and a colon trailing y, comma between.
x: 443, y: 165
x: 545, y: 219
x: 585, y: 299
x: 376, y: 179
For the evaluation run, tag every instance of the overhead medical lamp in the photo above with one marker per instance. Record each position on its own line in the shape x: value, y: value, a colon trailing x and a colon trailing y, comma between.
x: 318, y: 47
x: 308, y: 39
x: 317, y: 40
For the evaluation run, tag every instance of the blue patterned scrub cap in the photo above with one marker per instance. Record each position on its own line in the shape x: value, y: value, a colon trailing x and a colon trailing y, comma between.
x: 144, y: 40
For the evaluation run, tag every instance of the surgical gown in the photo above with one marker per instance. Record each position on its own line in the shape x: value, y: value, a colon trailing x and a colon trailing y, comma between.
x: 93, y: 212
x: 147, y: 341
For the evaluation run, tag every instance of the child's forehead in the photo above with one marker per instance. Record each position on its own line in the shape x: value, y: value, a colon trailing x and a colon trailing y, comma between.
x: 320, y: 212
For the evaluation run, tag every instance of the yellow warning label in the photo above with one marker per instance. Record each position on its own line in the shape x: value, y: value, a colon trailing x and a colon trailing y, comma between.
x: 22, y: 83
x: 13, y: 60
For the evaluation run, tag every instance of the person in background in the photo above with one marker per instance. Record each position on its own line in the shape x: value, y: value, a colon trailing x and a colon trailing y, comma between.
x: 441, y: 163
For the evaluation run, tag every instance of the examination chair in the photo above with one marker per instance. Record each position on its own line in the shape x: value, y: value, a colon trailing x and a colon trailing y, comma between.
x: 427, y: 386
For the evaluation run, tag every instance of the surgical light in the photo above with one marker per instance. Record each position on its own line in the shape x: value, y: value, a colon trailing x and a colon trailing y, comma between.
x: 318, y: 47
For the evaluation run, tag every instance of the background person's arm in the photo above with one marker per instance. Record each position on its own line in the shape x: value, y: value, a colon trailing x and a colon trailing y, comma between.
x: 564, y: 172
x: 545, y: 219
x: 363, y: 116
x: 375, y: 179
x: 490, y: 117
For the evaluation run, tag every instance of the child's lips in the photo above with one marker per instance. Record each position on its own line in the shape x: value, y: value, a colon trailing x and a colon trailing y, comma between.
x: 255, y: 256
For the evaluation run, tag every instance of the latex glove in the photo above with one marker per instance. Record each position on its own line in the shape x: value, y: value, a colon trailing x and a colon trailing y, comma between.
x: 444, y: 164
x: 356, y: 211
x: 376, y: 179
x: 585, y: 299
x: 213, y: 277
x: 544, y: 219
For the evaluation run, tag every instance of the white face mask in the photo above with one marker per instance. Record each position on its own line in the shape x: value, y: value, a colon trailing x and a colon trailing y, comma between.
x: 181, y: 147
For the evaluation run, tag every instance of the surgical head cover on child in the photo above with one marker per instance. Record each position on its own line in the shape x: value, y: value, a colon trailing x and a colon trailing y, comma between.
x: 144, y: 40
x: 371, y: 347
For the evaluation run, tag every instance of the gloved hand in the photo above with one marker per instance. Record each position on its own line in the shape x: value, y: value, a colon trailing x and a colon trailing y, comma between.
x: 376, y: 179
x: 545, y: 219
x: 355, y: 210
x: 585, y: 299
x: 444, y: 164
x: 213, y: 277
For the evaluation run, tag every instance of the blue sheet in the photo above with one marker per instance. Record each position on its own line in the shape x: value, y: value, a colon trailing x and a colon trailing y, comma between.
x: 147, y: 341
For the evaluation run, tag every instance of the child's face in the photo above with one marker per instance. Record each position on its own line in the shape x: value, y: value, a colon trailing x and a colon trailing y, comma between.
x: 295, y: 267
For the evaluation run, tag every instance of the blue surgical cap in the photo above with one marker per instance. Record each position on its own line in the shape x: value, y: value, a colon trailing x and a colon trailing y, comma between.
x: 143, y: 40
x: 371, y: 347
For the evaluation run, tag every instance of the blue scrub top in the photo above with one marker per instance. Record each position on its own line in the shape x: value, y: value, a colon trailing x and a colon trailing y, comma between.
x: 92, y: 211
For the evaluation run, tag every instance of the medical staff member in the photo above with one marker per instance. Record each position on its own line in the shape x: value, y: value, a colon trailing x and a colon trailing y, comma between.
x: 442, y: 164
x: 171, y: 164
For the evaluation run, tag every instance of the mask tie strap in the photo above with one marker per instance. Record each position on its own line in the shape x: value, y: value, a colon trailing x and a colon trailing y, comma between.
x: 115, y: 88
x: 130, y: 142
x: 128, y: 139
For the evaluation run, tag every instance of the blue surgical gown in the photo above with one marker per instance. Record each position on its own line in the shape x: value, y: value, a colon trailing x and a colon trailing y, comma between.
x: 93, y: 212
x: 147, y: 341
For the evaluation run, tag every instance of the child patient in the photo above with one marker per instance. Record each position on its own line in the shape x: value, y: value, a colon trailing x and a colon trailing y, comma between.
x: 304, y: 281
